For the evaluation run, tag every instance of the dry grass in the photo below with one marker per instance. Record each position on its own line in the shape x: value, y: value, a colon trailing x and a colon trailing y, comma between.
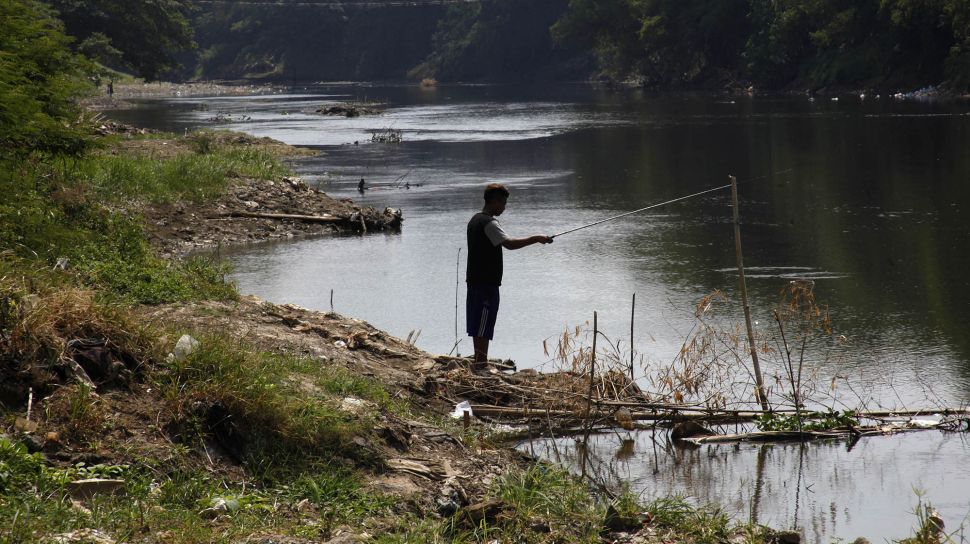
x: 36, y: 330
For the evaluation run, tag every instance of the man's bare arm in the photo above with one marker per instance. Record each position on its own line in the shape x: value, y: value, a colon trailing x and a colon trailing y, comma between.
x: 518, y: 243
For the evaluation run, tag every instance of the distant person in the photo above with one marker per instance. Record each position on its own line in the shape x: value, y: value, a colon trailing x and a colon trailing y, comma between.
x: 361, y: 187
x: 484, y: 273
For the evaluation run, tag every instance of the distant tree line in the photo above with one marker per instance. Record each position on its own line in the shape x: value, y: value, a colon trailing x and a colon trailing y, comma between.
x: 668, y: 44
x: 774, y: 43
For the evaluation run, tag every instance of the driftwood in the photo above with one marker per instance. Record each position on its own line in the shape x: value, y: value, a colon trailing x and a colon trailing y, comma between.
x: 841, y: 432
x: 500, y: 364
x: 566, y: 402
x: 677, y: 413
x: 290, y: 217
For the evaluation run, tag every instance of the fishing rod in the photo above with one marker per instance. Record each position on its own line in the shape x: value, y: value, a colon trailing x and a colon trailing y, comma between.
x: 664, y: 203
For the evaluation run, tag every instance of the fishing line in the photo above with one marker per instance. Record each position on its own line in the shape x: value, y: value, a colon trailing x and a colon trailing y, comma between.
x: 664, y: 203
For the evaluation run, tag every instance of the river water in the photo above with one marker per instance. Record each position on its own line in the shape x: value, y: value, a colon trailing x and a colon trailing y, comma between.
x: 866, y: 196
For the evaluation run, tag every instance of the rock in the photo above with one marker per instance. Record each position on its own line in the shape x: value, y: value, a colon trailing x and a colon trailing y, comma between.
x: 296, y: 183
x: 451, y: 497
x: 446, y: 507
x: 81, y: 536
x: 355, y: 406
x: 32, y: 443
x: 184, y: 347
x: 86, y: 489
x: 861, y: 540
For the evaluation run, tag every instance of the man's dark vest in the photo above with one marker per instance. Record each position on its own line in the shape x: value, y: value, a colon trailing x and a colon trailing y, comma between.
x: 484, y: 259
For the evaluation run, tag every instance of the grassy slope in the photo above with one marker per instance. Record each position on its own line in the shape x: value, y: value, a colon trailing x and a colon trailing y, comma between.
x: 301, y: 471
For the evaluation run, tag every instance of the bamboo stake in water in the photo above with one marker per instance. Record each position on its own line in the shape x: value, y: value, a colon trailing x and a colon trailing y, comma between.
x: 589, y: 396
x: 457, y: 281
x: 744, y: 297
x: 633, y: 308
x: 457, y: 276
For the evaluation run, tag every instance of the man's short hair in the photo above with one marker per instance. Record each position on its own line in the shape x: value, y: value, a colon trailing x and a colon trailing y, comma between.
x: 495, y: 190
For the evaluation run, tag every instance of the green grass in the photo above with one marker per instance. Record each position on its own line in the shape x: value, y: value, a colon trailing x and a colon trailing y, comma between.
x: 707, y: 524
x: 195, y: 176
x: 272, y: 396
x: 73, y: 207
x: 194, y: 167
x: 168, y: 506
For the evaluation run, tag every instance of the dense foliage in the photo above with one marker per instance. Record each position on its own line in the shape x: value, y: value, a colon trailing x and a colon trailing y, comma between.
x: 38, y: 78
x: 301, y: 41
x: 773, y: 44
x: 55, y: 189
x: 139, y: 35
x: 769, y: 44
x: 500, y: 40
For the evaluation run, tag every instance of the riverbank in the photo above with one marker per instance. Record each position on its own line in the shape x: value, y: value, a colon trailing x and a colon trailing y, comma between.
x: 144, y: 400
x: 247, y: 208
x: 122, y: 92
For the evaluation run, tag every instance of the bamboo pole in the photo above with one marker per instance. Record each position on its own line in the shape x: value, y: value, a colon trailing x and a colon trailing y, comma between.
x: 589, y: 395
x: 744, y: 297
x: 683, y: 414
x: 633, y: 308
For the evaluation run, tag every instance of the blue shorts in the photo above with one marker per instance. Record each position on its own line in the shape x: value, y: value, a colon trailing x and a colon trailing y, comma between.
x: 481, y: 308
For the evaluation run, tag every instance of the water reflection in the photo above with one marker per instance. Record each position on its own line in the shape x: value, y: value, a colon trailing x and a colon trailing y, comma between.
x: 823, y: 489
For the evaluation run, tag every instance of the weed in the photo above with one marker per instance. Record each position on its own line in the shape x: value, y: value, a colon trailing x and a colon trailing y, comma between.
x: 19, y: 469
x: 278, y: 421
x: 815, y: 421
x: 710, y: 369
x: 78, y: 410
x: 201, y: 142
x: 704, y: 524
x: 545, y: 494
x: 337, y: 493
x: 930, y: 528
x: 190, y: 176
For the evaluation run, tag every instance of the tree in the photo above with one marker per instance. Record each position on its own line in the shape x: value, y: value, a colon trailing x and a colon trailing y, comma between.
x: 660, y: 42
x: 139, y: 35
x: 501, y: 39
x: 39, y: 77
x: 957, y: 13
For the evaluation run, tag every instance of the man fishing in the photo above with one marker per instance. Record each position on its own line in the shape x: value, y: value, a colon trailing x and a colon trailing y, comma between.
x: 484, y: 273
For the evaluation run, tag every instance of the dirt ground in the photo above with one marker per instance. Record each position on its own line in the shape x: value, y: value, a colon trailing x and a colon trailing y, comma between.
x: 421, y: 458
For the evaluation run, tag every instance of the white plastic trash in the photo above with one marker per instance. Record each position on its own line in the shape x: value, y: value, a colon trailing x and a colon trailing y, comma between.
x: 184, y: 347
x: 461, y: 409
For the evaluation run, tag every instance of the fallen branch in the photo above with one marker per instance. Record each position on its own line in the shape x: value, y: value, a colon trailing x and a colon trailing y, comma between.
x: 289, y: 217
